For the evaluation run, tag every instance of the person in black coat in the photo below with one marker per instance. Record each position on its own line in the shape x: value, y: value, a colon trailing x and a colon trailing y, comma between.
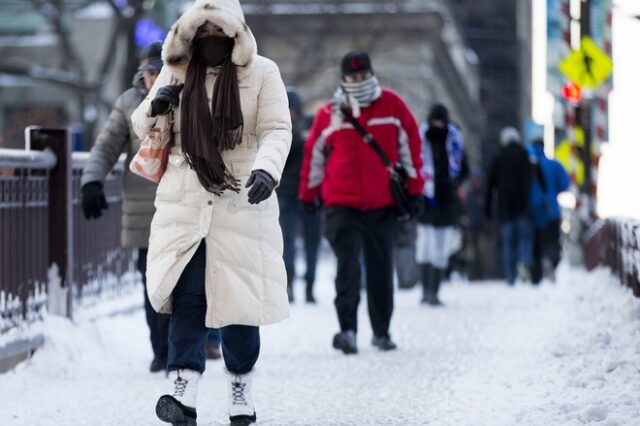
x: 291, y: 213
x: 510, y: 179
x: 444, y: 170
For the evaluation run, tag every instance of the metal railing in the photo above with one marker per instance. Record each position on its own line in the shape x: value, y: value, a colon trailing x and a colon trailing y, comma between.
x: 615, y: 243
x: 24, y: 235
x: 101, y: 267
x: 49, y: 253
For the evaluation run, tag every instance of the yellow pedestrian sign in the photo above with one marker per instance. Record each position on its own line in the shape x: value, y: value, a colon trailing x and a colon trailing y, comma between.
x: 588, y: 67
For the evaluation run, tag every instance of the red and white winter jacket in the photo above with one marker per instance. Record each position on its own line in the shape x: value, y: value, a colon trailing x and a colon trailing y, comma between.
x: 348, y: 172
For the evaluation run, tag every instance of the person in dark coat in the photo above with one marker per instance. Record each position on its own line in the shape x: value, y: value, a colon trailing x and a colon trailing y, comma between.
x: 510, y: 179
x: 291, y: 212
x: 546, y: 213
x: 444, y: 170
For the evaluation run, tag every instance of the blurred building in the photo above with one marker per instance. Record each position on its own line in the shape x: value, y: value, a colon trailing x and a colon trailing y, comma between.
x: 501, y: 34
x: 416, y: 49
x: 498, y: 31
x: 463, y: 53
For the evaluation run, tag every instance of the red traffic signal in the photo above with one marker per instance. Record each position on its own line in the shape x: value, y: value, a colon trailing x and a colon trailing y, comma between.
x: 572, y: 92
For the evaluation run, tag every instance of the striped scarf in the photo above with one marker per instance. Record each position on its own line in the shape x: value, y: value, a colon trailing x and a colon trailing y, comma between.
x: 365, y: 92
x: 355, y: 96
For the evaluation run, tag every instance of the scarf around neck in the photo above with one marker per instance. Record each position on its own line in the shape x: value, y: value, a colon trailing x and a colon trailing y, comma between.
x: 355, y: 96
x: 364, y: 92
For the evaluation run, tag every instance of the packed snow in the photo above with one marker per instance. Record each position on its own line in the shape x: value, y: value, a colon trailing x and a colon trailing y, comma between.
x: 561, y: 354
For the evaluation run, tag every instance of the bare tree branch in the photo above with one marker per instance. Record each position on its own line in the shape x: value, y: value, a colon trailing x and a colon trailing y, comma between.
x: 54, y: 76
x: 107, y: 60
x: 53, y: 11
x: 115, y: 8
x: 72, y: 74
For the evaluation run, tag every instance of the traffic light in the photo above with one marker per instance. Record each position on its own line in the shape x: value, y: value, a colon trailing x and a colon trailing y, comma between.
x: 572, y: 92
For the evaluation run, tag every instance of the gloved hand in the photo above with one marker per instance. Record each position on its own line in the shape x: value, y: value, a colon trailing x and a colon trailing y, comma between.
x: 166, y: 97
x: 261, y: 184
x: 417, y: 205
x: 93, y: 200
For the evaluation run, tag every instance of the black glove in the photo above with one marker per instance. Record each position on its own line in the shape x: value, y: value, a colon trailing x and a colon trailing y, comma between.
x: 166, y: 97
x: 262, y: 186
x: 93, y: 200
x: 417, y: 205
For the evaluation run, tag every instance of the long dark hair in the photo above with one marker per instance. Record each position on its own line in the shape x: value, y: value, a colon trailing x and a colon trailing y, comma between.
x: 205, y: 132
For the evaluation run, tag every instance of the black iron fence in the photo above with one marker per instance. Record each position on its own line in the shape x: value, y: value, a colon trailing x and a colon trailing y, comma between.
x: 101, y: 268
x: 50, y: 255
x: 24, y: 234
x: 615, y: 243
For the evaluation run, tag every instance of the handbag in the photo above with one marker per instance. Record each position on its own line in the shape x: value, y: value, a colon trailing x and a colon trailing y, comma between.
x: 152, y: 158
x: 398, y: 182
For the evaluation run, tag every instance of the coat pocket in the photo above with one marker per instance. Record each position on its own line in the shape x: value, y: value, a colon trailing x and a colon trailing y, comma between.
x: 172, y: 185
x: 240, y: 201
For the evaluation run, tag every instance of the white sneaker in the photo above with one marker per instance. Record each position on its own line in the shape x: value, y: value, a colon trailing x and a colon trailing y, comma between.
x: 185, y: 386
x: 241, y: 409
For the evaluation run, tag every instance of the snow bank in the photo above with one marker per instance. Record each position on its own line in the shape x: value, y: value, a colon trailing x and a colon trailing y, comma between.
x: 590, y: 368
x: 563, y: 354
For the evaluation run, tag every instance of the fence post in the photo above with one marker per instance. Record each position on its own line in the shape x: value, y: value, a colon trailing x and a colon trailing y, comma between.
x: 60, y: 225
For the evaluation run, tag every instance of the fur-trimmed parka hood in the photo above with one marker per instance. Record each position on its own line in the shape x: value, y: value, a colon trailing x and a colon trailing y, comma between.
x: 228, y: 15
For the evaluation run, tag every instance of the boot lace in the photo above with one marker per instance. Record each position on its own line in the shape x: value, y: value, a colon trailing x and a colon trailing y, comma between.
x: 180, y: 386
x: 237, y: 393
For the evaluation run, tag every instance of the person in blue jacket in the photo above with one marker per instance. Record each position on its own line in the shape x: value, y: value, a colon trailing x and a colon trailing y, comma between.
x: 545, y: 212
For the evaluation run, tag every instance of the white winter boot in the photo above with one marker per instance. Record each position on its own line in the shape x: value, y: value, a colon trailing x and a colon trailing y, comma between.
x: 241, y: 409
x: 179, y: 408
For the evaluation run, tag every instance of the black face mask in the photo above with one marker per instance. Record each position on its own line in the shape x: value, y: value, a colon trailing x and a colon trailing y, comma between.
x: 213, y: 50
x: 436, y: 134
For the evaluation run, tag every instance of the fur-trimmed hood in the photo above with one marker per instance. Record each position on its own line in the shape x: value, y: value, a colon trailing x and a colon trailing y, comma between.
x: 227, y: 14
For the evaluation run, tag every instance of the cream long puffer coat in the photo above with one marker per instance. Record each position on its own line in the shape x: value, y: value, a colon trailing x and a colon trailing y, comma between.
x: 245, y: 279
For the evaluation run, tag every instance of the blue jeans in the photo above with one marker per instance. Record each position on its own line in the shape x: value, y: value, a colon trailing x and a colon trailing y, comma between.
x: 213, y: 338
x: 517, y: 245
x: 290, y: 216
x: 187, y: 331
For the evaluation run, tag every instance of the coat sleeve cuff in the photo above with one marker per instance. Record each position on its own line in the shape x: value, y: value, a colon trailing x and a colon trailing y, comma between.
x: 415, y: 186
x: 269, y: 167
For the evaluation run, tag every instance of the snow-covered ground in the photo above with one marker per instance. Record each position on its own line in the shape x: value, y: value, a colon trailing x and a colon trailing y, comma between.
x: 565, y: 354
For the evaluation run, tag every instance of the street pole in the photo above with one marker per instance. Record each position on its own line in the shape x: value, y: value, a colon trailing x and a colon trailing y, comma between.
x: 585, y: 122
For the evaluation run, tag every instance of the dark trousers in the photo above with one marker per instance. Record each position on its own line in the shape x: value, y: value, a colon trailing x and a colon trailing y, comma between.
x: 291, y: 214
x: 213, y: 338
x: 546, y: 246
x: 158, y: 323
x: 188, y: 334
x: 349, y: 232
x: 517, y: 245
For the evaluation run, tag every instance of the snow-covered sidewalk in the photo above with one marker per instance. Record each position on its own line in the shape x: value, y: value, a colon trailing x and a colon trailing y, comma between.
x: 565, y: 354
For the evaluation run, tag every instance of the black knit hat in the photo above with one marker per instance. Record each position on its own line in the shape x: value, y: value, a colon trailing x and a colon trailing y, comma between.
x: 151, y: 57
x: 439, y: 112
x: 354, y: 62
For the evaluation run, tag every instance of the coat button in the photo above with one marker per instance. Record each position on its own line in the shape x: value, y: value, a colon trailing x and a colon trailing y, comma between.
x: 210, y: 202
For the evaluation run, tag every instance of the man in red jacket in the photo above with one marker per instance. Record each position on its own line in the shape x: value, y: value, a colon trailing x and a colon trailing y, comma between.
x: 350, y: 179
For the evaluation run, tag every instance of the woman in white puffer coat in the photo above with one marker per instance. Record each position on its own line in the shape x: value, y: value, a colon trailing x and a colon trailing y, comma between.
x: 215, y: 251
